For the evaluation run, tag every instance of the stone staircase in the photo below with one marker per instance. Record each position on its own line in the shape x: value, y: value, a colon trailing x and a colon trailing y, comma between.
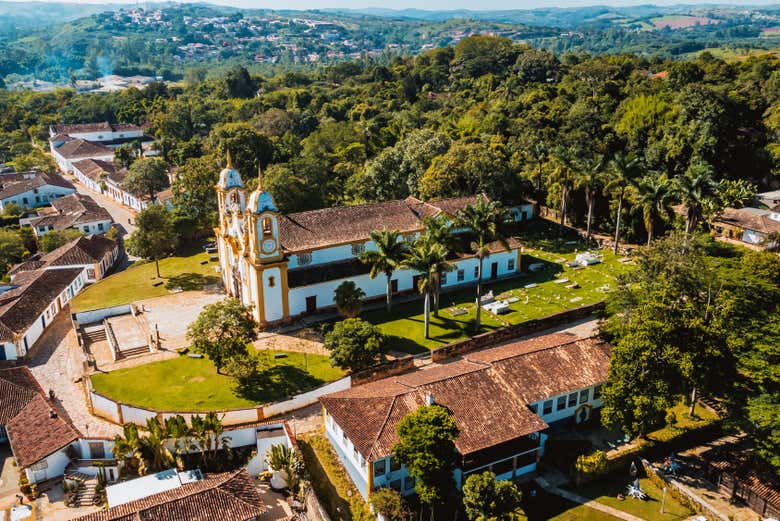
x: 86, y: 496
x: 715, y: 405
x: 94, y: 334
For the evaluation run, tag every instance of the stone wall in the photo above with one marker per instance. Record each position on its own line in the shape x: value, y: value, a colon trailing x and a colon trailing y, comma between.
x: 392, y: 368
x: 511, y: 332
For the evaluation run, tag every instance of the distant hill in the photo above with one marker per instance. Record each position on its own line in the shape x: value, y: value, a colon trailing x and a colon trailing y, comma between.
x: 16, y: 17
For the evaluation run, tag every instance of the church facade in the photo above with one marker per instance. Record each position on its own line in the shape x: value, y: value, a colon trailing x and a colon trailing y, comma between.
x: 282, y: 266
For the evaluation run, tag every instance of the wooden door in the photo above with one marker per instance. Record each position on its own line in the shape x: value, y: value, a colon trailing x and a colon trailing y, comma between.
x: 494, y: 270
x: 311, y: 304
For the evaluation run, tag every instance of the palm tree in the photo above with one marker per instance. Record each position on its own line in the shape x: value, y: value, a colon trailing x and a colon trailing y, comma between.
x: 154, y: 444
x: 695, y: 188
x: 427, y: 258
x: 389, y: 253
x: 485, y: 219
x: 439, y: 230
x: 539, y: 152
x: 564, y: 170
x: 653, y: 200
x: 590, y: 179
x: 624, y: 170
x: 127, y: 448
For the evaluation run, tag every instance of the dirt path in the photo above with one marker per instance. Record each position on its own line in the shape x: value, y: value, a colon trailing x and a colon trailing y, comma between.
x: 301, y: 341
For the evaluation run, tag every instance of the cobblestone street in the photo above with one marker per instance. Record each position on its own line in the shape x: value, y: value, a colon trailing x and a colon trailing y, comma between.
x: 56, y: 361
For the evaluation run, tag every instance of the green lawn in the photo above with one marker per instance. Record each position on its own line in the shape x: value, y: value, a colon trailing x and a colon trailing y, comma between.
x: 404, y: 325
x: 545, y: 506
x: 192, y: 384
x: 703, y: 416
x: 140, y: 282
x: 605, y: 491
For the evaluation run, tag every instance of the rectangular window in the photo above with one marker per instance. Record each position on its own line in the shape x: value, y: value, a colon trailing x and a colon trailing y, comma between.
x: 561, y: 403
x: 304, y: 259
x: 396, y: 485
x: 100, y: 226
x: 597, y: 392
x: 476, y: 271
x: 572, y: 399
x: 547, y: 407
x: 503, y: 467
x: 97, y: 450
x: 511, y: 265
x: 395, y: 464
x: 380, y: 468
x: 461, y: 275
x: 409, y: 483
x: 534, y: 408
x: 584, y: 395
x: 358, y: 249
x: 444, y: 278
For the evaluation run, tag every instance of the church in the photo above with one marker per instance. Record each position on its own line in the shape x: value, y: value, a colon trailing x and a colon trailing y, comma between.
x: 285, y: 266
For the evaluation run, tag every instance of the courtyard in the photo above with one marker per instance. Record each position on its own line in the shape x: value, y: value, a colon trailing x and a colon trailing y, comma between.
x: 140, y: 281
x: 548, y: 286
x: 193, y: 384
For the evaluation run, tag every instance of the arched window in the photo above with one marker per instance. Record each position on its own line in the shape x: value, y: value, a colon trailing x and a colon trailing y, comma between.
x: 267, y: 226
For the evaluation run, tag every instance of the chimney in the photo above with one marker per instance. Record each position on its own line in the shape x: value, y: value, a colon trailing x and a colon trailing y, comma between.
x: 429, y: 399
x: 52, y: 413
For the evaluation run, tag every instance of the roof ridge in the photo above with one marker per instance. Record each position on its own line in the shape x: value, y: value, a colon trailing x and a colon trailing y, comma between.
x: 384, y: 422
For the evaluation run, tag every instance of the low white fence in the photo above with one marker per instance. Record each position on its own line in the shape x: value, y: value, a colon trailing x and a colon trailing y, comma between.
x: 122, y: 413
x: 98, y: 315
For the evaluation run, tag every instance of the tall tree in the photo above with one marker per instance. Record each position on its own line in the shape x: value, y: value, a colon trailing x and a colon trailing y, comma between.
x: 654, y: 202
x: 155, y: 236
x: 695, y: 189
x: 485, y: 219
x: 426, y: 446
x: 563, y: 175
x: 590, y: 179
x: 624, y: 171
x: 146, y: 177
x: 12, y: 248
x: 438, y: 229
x: 222, y: 331
x: 427, y: 258
x: 386, y: 258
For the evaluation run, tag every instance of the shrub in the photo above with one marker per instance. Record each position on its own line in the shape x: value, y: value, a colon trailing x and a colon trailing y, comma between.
x: 349, y: 299
x: 590, y: 465
x: 388, y: 503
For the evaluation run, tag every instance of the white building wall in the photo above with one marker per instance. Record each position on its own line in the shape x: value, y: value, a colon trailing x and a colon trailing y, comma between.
x: 333, y: 254
x: 9, y: 351
x: 272, y: 294
x: 30, y: 199
x: 50, y: 467
x: 354, y: 463
x: 569, y: 410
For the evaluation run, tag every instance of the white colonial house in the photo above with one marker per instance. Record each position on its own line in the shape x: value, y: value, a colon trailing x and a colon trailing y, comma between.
x: 106, y: 178
x: 284, y: 266
x: 32, y: 189
x: 505, y: 400
x: 102, y: 132
x: 29, y: 304
x: 95, y: 254
x: 71, y: 143
x: 44, y: 442
x: 76, y: 211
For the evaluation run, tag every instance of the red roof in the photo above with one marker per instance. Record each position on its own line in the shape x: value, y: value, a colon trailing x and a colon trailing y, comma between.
x: 487, y: 392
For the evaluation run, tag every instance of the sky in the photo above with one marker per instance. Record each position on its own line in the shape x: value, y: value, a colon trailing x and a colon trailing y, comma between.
x: 481, y: 5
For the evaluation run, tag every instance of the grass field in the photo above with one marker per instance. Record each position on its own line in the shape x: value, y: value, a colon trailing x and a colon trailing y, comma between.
x: 192, y: 384
x: 605, y: 491
x: 404, y: 325
x: 140, y: 281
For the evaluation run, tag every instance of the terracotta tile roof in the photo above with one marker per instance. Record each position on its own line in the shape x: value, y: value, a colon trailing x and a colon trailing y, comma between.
x: 36, y: 290
x: 750, y: 219
x: 71, y: 210
x: 487, y: 392
x: 332, y: 226
x: 18, y: 183
x: 17, y: 388
x: 38, y: 431
x: 81, y: 127
x: 74, y: 148
x: 229, y: 496
x: 88, y: 249
x: 92, y: 168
